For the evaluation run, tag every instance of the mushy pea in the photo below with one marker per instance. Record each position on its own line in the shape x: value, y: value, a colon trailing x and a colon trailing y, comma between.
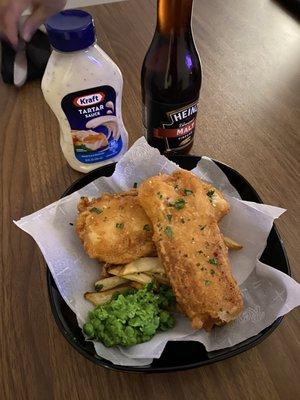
x: 132, y: 317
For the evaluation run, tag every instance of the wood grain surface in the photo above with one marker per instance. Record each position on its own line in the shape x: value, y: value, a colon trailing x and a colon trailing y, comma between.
x: 249, y: 118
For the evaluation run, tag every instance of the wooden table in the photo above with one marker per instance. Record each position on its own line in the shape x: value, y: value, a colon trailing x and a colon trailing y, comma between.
x: 249, y: 118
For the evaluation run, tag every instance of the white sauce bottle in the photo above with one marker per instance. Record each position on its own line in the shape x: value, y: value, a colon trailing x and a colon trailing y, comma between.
x: 83, y: 87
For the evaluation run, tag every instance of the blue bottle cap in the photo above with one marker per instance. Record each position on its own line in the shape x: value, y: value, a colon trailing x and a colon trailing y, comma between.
x: 71, y: 30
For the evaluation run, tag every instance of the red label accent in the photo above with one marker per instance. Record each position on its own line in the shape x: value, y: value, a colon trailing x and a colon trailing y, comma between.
x: 175, y: 132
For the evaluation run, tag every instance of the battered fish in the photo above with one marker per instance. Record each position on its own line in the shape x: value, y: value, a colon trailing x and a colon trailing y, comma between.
x: 191, y: 247
x: 115, y: 228
x: 220, y: 205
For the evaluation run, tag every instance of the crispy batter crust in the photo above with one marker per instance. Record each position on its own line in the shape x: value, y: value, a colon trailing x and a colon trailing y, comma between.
x: 112, y: 228
x: 191, y: 247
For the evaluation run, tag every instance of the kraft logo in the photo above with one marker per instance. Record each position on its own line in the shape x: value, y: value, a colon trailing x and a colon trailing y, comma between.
x: 89, y: 100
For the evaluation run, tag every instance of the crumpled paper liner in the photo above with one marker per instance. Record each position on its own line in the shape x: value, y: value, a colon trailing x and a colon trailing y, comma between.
x: 267, y: 292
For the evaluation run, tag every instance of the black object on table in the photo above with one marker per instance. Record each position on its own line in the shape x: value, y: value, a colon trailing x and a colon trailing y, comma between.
x: 37, y: 52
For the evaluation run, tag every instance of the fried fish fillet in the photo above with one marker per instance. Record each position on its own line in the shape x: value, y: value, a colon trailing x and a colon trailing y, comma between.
x: 115, y: 228
x: 191, y: 247
x: 219, y: 203
x: 104, y: 240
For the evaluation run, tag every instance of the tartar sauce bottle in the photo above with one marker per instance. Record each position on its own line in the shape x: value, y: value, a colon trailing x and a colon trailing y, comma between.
x: 83, y: 87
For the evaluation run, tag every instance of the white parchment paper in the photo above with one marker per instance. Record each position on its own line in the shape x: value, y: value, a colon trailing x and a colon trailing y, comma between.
x: 267, y: 292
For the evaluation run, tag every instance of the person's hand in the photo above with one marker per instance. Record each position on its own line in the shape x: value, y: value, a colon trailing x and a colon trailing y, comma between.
x: 10, y: 13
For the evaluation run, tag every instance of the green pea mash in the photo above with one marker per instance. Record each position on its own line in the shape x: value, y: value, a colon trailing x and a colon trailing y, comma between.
x: 132, y: 317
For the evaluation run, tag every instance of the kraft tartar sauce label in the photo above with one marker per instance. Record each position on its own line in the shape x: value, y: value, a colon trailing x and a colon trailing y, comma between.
x: 94, y: 126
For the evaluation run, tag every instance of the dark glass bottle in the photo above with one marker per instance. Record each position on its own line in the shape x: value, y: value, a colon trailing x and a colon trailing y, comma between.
x: 171, y: 80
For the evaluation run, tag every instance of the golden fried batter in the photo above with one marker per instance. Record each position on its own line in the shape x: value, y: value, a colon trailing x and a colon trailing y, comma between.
x: 115, y: 228
x: 220, y: 205
x: 191, y: 247
x: 102, y: 239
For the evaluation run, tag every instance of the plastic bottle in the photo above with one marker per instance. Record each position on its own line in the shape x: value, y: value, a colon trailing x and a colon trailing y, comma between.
x: 83, y: 87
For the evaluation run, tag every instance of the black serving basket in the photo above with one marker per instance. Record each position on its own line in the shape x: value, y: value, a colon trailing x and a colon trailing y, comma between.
x: 179, y: 355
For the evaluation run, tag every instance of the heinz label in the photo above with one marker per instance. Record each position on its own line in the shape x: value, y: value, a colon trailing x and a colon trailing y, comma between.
x: 170, y: 127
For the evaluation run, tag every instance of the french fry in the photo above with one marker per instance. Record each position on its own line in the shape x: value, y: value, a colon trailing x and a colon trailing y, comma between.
x: 162, y: 279
x: 109, y: 283
x: 139, y: 277
x: 105, y: 270
x: 116, y: 271
x: 136, y: 285
x: 232, y: 244
x: 98, y: 298
x: 144, y: 264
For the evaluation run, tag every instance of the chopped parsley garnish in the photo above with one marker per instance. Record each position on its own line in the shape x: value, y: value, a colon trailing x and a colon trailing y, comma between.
x: 168, y: 231
x: 96, y: 210
x: 207, y: 282
x: 160, y: 196
x: 120, y: 225
x: 188, y: 192
x: 210, y: 194
x: 147, y: 227
x: 135, y: 185
x: 202, y: 227
x: 98, y: 287
x: 169, y: 217
x: 213, y: 261
x: 178, y: 204
x: 212, y: 271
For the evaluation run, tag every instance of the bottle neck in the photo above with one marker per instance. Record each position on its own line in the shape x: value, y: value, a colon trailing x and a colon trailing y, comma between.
x: 85, y: 49
x: 174, y: 16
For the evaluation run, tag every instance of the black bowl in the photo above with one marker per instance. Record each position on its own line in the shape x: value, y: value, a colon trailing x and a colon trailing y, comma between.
x: 176, y: 355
